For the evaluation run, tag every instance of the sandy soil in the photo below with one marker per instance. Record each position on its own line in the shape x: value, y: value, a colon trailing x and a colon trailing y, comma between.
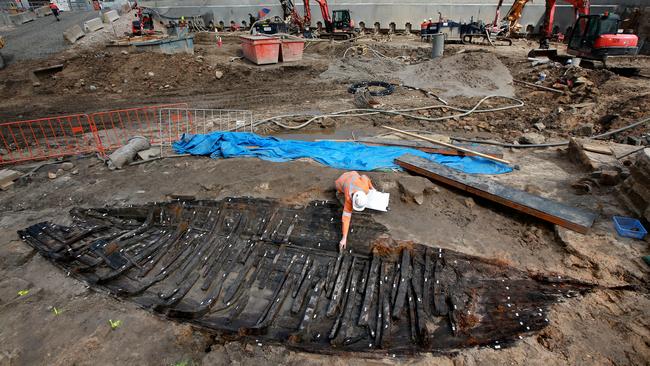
x: 607, y: 326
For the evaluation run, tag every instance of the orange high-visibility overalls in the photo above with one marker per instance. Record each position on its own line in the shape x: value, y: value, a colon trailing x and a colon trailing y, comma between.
x: 348, y: 184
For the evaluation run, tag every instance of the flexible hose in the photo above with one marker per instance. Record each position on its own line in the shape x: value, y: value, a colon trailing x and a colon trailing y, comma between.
x: 401, y: 112
x: 365, y: 47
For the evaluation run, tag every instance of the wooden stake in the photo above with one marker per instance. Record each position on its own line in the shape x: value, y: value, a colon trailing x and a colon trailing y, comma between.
x: 448, y: 145
x: 539, y: 86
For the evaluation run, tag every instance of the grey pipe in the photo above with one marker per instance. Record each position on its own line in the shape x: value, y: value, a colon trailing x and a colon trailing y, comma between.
x: 127, y: 153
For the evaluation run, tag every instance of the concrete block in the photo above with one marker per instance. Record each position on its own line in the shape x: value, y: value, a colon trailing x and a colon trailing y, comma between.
x: 21, y: 18
x: 4, y: 19
x: 43, y: 11
x: 149, y: 153
x: 125, y: 8
x: 93, y: 25
x: 73, y: 33
x: 110, y: 16
x: 6, y: 186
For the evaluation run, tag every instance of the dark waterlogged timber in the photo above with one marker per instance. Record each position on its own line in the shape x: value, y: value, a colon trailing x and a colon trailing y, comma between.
x: 262, y: 270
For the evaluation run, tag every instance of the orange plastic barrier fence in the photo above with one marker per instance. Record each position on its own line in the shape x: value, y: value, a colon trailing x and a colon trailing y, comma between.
x: 78, y: 134
x: 115, y: 128
x: 46, y: 138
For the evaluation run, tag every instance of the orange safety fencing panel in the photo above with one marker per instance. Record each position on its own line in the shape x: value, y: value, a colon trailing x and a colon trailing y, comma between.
x: 46, y: 138
x: 77, y: 134
x: 115, y: 128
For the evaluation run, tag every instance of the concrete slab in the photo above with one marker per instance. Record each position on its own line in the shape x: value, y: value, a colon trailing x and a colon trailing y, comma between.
x: 22, y: 18
x: 43, y: 11
x: 125, y: 8
x: 6, y: 186
x: 73, y: 33
x: 4, y: 19
x: 8, y: 175
x: 93, y: 25
x: 110, y: 16
x: 149, y: 153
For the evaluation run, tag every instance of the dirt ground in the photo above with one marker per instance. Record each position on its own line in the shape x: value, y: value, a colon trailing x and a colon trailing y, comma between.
x: 609, y: 325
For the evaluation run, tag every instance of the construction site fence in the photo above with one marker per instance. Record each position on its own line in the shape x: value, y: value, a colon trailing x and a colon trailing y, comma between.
x: 101, y: 132
x: 174, y: 122
x: 115, y: 128
x: 47, y: 138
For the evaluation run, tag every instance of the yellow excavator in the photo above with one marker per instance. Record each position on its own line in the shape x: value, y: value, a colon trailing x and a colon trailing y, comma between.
x: 512, y: 18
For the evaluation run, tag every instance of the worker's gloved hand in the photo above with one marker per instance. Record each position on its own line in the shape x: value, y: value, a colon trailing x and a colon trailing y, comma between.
x: 342, y: 244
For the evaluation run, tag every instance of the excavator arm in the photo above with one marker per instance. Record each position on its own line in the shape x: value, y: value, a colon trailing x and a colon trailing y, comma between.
x: 514, y: 14
x: 579, y: 7
x: 307, y: 17
x: 325, y: 11
x: 495, y: 23
x: 287, y: 8
x: 290, y: 14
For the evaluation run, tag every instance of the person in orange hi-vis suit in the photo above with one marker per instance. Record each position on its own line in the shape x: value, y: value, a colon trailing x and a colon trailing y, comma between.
x: 354, y: 188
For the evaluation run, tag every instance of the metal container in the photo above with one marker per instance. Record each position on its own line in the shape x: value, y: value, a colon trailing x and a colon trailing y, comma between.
x: 437, y: 44
x: 168, y: 45
x: 261, y: 50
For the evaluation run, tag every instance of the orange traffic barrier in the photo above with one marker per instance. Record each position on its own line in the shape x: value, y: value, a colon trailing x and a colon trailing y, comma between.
x: 46, y: 138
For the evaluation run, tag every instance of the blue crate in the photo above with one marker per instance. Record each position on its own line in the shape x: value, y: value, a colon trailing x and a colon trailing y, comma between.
x: 629, y: 227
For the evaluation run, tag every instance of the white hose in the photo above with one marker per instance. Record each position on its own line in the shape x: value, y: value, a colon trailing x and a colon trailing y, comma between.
x: 401, y: 112
x: 376, y: 53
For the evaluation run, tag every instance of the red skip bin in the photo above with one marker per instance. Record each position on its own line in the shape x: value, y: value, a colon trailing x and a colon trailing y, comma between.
x: 261, y: 50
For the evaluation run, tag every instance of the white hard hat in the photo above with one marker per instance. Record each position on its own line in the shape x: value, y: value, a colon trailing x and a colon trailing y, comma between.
x: 359, y: 201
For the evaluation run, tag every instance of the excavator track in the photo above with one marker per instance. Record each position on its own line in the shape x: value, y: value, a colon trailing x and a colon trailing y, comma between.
x: 483, y: 38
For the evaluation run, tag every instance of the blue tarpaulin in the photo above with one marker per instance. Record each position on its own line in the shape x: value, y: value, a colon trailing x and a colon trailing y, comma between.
x: 340, y: 155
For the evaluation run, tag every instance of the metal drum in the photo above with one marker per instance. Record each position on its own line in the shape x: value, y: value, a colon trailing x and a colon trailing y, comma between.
x: 437, y: 44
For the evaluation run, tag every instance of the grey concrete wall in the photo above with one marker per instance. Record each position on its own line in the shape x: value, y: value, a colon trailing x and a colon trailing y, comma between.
x: 383, y: 11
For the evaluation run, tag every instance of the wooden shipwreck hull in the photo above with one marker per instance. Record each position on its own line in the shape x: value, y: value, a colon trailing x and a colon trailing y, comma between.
x: 267, y: 271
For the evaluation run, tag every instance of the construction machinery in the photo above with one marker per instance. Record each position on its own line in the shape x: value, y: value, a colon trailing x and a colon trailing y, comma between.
x: 511, y: 24
x: 597, y: 37
x: 580, y: 7
x: 296, y: 23
x: 593, y: 38
x: 480, y: 33
x: 337, y: 24
x: 143, y: 23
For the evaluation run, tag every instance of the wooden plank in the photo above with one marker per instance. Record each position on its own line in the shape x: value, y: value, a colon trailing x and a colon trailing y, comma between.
x: 442, y: 143
x: 598, y: 149
x: 402, y: 287
x: 434, y: 149
x: 573, y: 218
